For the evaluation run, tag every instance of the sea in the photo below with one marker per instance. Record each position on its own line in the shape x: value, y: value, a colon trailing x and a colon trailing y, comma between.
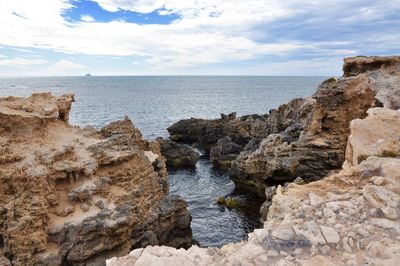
x: 156, y: 102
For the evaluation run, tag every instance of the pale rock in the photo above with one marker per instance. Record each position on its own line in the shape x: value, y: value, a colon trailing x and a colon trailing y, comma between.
x: 329, y: 213
x: 363, y: 232
x: 314, y: 199
x: 317, y: 261
x: 378, y: 180
x: 312, y: 232
x: 284, y: 233
x: 384, y: 199
x: 385, y: 223
x: 330, y: 234
x: 272, y: 253
x: 284, y: 262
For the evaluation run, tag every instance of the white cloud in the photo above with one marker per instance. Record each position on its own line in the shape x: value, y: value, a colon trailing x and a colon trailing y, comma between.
x: 207, y: 31
x: 197, y: 38
x: 87, y: 18
x: 66, y: 64
x: 21, y: 62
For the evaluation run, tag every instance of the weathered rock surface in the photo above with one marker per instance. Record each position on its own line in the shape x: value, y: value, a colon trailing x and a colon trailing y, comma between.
x: 178, y: 155
x: 366, y: 136
x: 76, y: 196
x: 305, y: 137
x: 348, y: 218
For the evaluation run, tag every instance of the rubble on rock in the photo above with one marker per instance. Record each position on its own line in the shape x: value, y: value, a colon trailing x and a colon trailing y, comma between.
x: 347, y: 218
x: 77, y: 196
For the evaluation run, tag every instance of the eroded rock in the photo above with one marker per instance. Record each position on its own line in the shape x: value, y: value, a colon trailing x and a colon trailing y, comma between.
x: 178, y: 155
x: 76, y: 196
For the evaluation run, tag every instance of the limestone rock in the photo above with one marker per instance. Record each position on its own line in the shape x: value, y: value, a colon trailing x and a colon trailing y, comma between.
x: 378, y: 135
x: 305, y: 137
x: 330, y: 234
x: 76, y: 196
x: 347, y: 218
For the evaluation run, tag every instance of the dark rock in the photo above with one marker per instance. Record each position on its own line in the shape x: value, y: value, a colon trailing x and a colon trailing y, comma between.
x: 305, y: 137
x: 178, y: 155
x: 224, y: 152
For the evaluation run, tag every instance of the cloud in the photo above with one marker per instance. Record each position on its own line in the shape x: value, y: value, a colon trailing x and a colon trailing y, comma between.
x: 87, y: 18
x: 66, y: 64
x: 210, y: 32
x: 21, y: 62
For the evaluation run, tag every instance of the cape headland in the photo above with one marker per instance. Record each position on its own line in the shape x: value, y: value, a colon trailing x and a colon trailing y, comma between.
x: 72, y: 196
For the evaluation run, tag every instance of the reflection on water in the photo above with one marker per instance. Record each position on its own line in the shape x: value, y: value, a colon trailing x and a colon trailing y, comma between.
x: 214, y: 225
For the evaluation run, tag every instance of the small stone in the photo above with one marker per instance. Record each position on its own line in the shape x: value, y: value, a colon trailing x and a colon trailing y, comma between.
x: 298, y: 251
x: 84, y: 207
x: 299, y: 180
x: 363, y: 232
x: 272, y: 253
x: 328, y: 213
x: 345, y: 245
x: 136, y: 252
x: 330, y: 234
x: 378, y: 180
x: 314, y: 199
x: 325, y: 249
x: 283, y: 234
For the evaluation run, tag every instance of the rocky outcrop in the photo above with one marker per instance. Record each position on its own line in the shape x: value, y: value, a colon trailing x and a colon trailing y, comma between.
x: 348, y: 218
x: 77, y: 196
x: 178, y: 155
x: 305, y: 138
x: 366, y: 136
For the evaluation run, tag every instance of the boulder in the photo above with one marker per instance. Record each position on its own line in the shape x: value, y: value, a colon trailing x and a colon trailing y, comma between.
x: 178, y: 155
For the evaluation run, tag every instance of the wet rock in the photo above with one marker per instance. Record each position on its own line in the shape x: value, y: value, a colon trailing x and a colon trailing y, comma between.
x: 178, y: 155
x: 229, y: 202
x: 224, y: 152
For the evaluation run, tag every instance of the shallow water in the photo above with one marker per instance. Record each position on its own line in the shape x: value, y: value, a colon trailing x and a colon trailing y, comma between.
x: 154, y: 103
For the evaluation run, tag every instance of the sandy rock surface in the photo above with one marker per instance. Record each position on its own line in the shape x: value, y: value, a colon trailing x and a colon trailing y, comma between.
x: 77, y: 196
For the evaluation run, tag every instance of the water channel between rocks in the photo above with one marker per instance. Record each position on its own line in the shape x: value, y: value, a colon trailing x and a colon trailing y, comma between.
x: 212, y: 224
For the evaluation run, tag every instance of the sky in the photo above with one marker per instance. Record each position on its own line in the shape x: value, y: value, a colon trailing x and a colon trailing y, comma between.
x: 193, y: 37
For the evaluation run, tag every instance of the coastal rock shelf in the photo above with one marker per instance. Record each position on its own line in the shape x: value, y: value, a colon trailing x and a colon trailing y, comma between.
x: 77, y: 196
x: 348, y: 218
x: 304, y: 138
x: 348, y: 131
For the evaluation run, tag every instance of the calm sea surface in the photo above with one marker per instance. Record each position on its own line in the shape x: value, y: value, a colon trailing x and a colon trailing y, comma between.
x: 154, y: 103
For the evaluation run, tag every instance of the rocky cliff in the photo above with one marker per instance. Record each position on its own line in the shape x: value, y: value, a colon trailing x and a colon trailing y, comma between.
x: 304, y: 138
x: 348, y: 218
x: 75, y: 196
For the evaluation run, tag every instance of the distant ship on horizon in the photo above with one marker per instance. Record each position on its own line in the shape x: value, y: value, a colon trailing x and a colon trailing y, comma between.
x: 88, y: 74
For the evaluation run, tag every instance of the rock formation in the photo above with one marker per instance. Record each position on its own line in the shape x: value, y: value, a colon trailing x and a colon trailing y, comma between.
x: 77, y: 196
x: 178, y: 155
x: 304, y: 138
x: 348, y: 218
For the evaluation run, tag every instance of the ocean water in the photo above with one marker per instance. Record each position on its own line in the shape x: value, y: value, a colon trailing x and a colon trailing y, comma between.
x: 156, y: 102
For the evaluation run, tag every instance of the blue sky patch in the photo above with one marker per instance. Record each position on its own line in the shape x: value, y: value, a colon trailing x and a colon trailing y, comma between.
x: 90, y: 8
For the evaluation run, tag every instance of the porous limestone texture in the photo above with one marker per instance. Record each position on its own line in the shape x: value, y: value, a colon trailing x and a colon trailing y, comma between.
x: 304, y: 138
x: 72, y: 196
x: 348, y: 218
